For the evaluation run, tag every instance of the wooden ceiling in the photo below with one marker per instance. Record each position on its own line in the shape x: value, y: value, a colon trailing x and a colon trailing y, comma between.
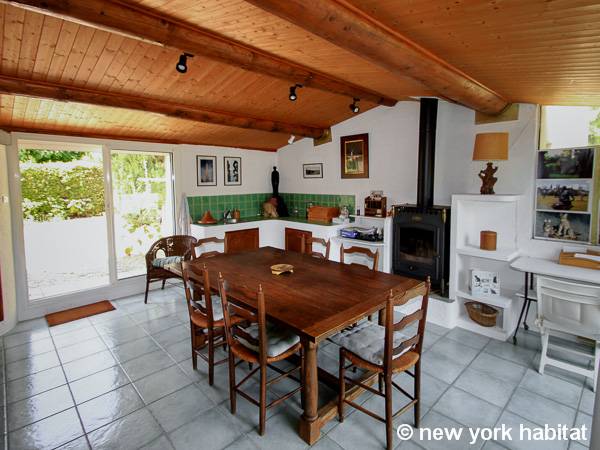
x: 527, y: 51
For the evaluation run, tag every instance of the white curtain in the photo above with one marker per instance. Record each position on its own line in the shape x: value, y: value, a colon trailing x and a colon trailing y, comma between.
x: 183, y: 218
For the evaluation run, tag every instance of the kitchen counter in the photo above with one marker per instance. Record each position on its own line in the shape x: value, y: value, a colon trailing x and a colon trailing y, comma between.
x: 272, y: 232
x: 264, y: 219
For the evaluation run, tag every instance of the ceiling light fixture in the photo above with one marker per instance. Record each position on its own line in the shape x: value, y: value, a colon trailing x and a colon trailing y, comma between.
x: 293, y: 96
x: 354, y: 107
x: 181, y: 66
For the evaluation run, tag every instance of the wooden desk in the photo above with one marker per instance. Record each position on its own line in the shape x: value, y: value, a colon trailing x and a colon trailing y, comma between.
x: 316, y: 301
x: 548, y: 268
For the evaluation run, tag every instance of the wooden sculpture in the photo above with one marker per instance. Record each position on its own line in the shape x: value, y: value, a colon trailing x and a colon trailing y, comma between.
x: 488, y: 180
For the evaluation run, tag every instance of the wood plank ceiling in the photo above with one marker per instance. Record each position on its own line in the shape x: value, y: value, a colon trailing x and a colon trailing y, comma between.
x: 534, y: 51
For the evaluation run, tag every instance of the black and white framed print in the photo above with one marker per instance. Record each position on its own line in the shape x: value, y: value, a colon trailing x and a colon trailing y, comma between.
x: 313, y: 170
x: 206, y: 170
x: 232, y: 166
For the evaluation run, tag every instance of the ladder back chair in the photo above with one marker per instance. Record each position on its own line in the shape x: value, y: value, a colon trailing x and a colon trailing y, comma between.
x: 261, y: 343
x: 383, y: 349
x: 200, y: 243
x: 206, y: 317
x: 165, y: 251
x: 312, y: 240
x: 571, y: 308
x: 373, y: 256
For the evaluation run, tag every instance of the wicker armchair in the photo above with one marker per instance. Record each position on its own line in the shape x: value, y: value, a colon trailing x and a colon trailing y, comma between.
x: 175, y: 249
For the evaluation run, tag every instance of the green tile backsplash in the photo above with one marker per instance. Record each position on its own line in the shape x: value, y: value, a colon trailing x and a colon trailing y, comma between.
x: 300, y: 201
x: 250, y: 205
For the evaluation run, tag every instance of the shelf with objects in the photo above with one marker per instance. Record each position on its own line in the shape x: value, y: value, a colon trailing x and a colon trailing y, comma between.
x: 483, y: 275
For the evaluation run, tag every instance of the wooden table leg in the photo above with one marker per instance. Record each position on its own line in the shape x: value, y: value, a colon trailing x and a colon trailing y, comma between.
x: 310, y: 428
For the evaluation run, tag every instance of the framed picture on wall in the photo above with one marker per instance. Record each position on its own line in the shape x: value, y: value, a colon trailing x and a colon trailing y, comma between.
x: 206, y: 170
x: 312, y: 170
x: 564, y: 195
x: 563, y: 226
x: 232, y: 166
x: 566, y: 190
x: 354, y: 156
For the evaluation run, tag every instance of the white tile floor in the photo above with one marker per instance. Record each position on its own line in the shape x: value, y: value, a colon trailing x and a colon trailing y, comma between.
x: 124, y: 380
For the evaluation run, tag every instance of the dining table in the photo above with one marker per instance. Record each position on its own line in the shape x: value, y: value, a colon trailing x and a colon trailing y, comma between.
x: 317, y: 300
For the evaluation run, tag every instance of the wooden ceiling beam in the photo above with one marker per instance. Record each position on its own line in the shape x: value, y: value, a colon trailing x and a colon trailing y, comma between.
x: 54, y: 91
x: 119, y: 137
x: 134, y: 22
x: 349, y: 28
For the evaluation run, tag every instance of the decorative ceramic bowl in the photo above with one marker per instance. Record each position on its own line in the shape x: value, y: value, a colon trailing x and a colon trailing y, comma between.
x: 278, y: 269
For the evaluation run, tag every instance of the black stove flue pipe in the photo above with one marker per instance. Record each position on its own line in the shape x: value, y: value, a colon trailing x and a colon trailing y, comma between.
x: 427, y: 130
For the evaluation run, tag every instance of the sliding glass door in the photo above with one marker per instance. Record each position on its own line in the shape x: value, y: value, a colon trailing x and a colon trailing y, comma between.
x: 64, y: 219
x: 90, y: 214
x: 143, y: 206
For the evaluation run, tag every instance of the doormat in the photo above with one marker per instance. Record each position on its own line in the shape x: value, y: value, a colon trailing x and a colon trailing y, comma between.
x: 68, y: 315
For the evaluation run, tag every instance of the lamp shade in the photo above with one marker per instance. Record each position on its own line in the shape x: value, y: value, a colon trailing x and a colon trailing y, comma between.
x: 491, y: 147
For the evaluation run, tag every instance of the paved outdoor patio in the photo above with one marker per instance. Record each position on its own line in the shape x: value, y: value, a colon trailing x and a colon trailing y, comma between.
x: 124, y: 380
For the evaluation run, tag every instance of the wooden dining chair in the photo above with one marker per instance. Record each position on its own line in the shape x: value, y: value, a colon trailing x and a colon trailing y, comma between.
x: 372, y: 255
x: 261, y: 343
x: 200, y: 243
x: 165, y: 251
x: 206, y: 317
x: 308, y: 243
x: 383, y: 349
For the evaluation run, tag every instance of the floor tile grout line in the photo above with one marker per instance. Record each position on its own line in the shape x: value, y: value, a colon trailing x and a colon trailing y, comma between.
x: 505, y: 408
x: 145, y: 405
x: 454, y: 381
x: 72, y: 396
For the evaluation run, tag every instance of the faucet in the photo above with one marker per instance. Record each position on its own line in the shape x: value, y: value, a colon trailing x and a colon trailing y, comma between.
x: 226, y: 215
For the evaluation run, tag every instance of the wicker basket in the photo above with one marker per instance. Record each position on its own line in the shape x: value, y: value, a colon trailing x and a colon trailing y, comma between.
x: 481, y: 313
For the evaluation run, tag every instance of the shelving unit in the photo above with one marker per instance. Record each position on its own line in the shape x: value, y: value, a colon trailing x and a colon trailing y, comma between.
x: 470, y: 215
x: 501, y: 254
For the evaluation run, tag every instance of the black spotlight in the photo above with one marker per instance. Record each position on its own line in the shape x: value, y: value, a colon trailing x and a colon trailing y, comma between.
x: 293, y: 96
x: 354, y: 107
x: 182, y: 63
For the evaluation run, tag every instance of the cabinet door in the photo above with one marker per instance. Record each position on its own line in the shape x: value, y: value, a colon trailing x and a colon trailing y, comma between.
x: 242, y: 240
x: 293, y: 239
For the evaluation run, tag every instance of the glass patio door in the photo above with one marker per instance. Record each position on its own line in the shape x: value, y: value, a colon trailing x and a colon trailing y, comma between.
x: 90, y: 214
x: 64, y: 218
x: 143, y: 211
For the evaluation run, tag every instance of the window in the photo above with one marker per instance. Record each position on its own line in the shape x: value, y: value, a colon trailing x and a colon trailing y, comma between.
x: 569, y: 126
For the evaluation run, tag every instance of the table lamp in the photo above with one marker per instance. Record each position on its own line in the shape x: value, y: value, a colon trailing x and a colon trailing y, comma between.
x: 490, y: 147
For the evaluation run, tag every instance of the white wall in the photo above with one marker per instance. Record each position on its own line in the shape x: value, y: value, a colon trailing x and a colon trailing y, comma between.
x: 256, y: 170
x: 393, y: 142
x: 393, y: 145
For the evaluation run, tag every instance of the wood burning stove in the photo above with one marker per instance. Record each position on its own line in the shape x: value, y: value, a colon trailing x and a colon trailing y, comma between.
x: 421, y: 245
